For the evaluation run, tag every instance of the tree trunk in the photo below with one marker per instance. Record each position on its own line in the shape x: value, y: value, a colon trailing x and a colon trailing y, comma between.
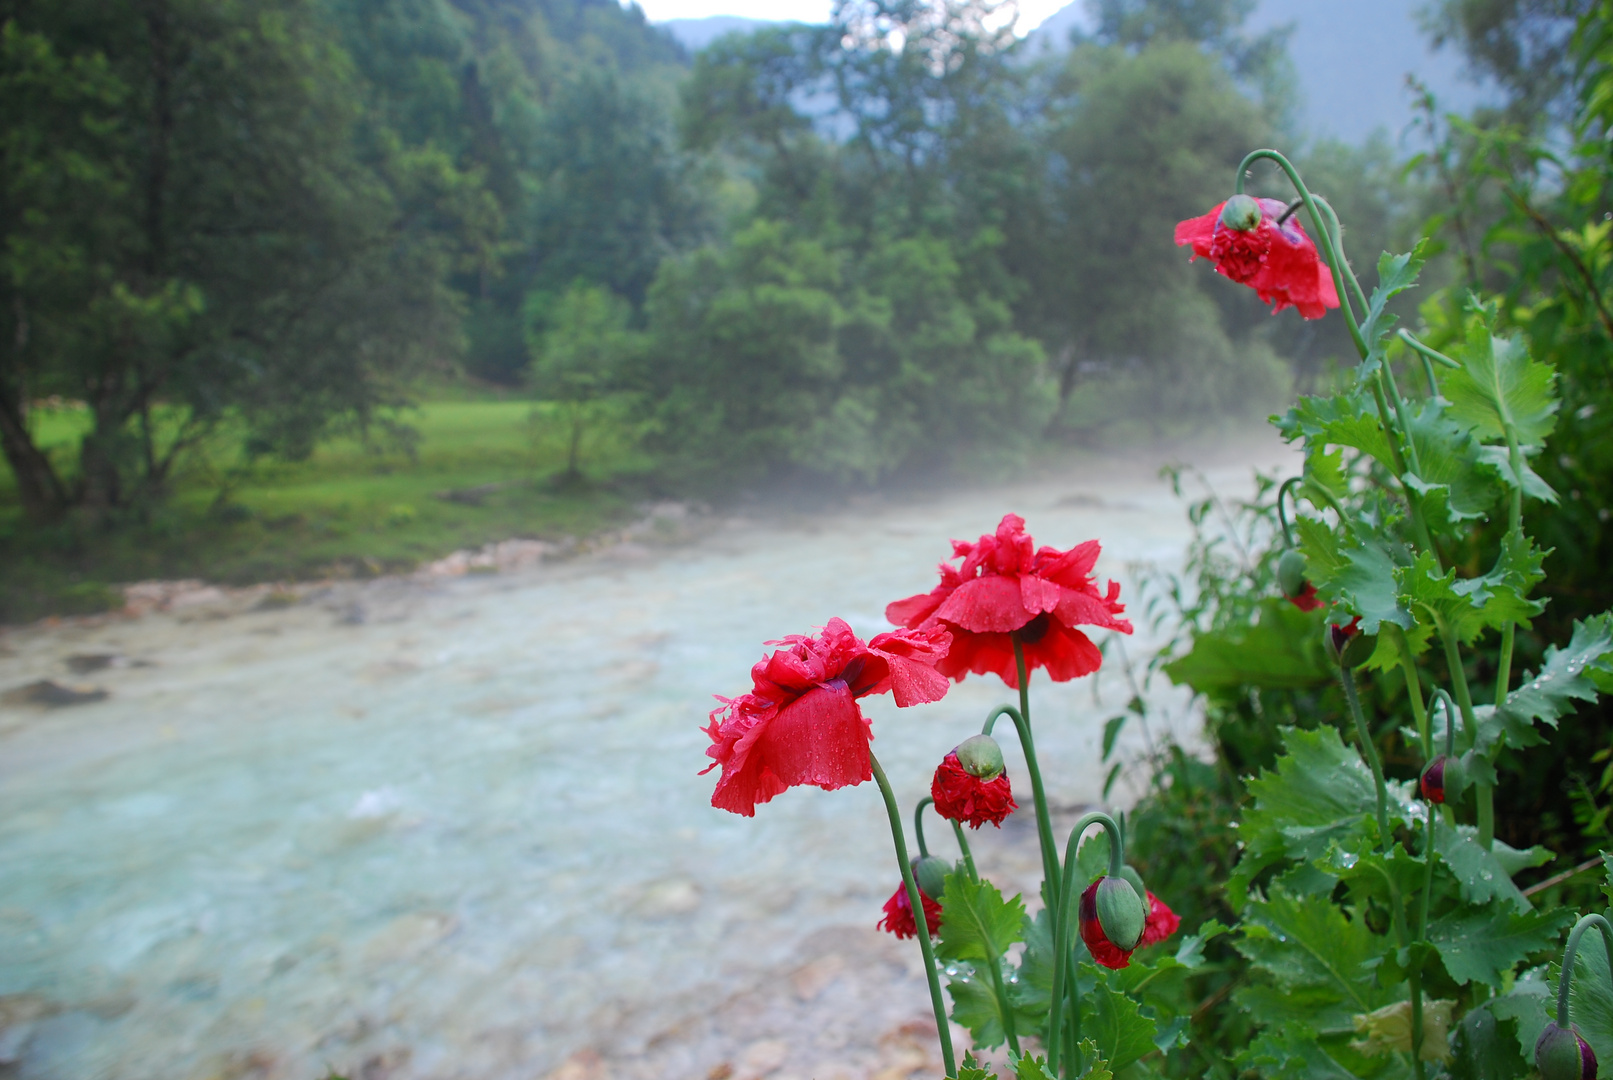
x: 40, y: 489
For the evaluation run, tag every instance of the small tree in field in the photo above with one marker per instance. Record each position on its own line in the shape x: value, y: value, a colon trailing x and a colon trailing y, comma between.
x: 577, y: 351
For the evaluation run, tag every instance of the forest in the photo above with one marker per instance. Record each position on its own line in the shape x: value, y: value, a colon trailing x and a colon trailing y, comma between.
x: 258, y: 253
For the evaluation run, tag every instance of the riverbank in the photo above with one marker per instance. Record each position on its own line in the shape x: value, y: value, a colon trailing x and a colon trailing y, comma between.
x: 451, y: 825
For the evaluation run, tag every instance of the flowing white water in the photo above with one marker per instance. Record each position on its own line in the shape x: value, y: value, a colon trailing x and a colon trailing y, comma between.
x: 468, y: 823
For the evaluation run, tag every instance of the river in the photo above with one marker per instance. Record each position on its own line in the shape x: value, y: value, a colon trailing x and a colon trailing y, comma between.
x: 453, y: 827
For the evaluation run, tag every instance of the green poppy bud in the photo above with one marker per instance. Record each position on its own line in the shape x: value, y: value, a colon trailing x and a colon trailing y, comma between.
x: 1291, y: 573
x: 1560, y: 1054
x: 980, y: 757
x: 931, y: 875
x: 1121, y: 912
x: 1241, y: 213
x: 1135, y: 880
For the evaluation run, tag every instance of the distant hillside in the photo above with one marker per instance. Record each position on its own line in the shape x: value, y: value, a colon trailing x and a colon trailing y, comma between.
x: 696, y: 34
x: 1352, y: 61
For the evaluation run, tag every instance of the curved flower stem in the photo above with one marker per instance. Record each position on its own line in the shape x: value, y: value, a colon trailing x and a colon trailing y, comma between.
x: 968, y: 856
x: 1334, y: 261
x: 1414, y: 690
x: 1430, y: 354
x: 920, y: 923
x: 1061, y: 934
x: 1483, y: 792
x: 1282, y: 518
x: 1571, y: 951
x: 1044, y: 822
x: 918, y: 825
x: 1370, y: 752
x: 1337, y: 236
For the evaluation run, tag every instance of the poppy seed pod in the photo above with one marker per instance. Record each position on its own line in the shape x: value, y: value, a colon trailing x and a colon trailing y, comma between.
x: 1242, y: 213
x: 1291, y: 573
x: 1346, y: 645
x: 1560, y: 1054
x: 981, y: 757
x: 1119, y: 912
x: 931, y: 875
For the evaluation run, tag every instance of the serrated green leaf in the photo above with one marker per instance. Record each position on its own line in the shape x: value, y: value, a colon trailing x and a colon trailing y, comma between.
x: 1325, y: 472
x: 1498, y: 383
x: 1499, y: 458
x: 1363, y: 580
x: 1590, y: 995
x: 975, y: 1006
x: 1282, y: 649
x: 1563, y: 679
x: 977, y: 924
x: 1291, y: 1053
x: 1097, y: 1068
x: 1482, y: 1048
x: 1111, y: 732
x: 1479, y: 876
x: 1319, y: 959
x: 970, y: 1069
x: 1448, y: 477
x: 1607, y: 868
x: 1319, y: 793
x: 1116, y: 1023
x: 1486, y: 945
x: 1368, y: 871
x: 1034, y: 991
x: 1028, y: 1067
x: 1396, y: 274
x: 1529, y: 1006
x: 1469, y: 606
x: 1343, y: 420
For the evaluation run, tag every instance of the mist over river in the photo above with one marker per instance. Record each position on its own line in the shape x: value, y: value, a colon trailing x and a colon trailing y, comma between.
x: 453, y: 828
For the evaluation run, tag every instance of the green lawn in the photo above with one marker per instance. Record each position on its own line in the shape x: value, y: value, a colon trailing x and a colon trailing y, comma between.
x: 348, y: 510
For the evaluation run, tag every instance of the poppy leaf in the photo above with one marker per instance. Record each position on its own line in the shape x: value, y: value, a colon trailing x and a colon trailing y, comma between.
x: 1487, y: 944
x: 977, y: 924
x: 1498, y: 384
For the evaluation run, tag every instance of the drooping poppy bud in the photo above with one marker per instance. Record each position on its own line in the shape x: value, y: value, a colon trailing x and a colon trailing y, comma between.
x: 1291, y: 579
x: 981, y: 757
x: 899, y: 913
x: 1346, y: 645
x: 1242, y: 213
x: 1560, y: 1054
x: 1443, y: 778
x: 1112, y: 918
x: 962, y: 795
x: 931, y: 875
x: 1134, y: 879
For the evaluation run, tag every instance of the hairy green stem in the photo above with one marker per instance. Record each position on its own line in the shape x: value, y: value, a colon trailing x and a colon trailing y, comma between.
x: 1370, y: 752
x: 1044, y: 822
x: 1571, y: 951
x: 968, y: 856
x: 1414, y: 690
x: 918, y: 825
x: 1061, y: 935
x: 1336, y: 234
x: 1292, y: 481
x: 921, y: 924
x: 1483, y: 791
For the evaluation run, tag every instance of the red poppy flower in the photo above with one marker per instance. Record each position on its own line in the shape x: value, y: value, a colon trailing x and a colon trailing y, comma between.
x: 962, y: 796
x: 1004, y: 589
x: 1307, y: 599
x: 1278, y: 261
x: 899, y: 914
x: 801, y: 724
x: 1162, y: 922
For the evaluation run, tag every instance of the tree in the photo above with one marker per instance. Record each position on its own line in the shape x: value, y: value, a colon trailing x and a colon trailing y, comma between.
x: 579, y: 348
x: 194, y: 237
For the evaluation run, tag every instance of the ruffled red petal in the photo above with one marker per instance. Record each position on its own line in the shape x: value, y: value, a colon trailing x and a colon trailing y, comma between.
x: 1162, y: 922
x: 899, y: 914
x: 961, y: 796
x: 1003, y: 585
x: 1102, y: 949
x: 800, y: 724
